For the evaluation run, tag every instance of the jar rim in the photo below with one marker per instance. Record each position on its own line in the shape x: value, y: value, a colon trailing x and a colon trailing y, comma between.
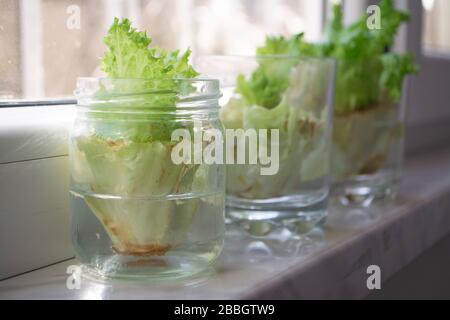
x: 194, y: 89
x: 196, y: 79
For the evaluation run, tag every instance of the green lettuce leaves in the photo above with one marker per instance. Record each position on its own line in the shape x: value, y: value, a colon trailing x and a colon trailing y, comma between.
x: 142, y: 87
x: 129, y: 56
x: 270, y: 80
x: 395, y: 68
x: 366, y: 69
x: 367, y: 72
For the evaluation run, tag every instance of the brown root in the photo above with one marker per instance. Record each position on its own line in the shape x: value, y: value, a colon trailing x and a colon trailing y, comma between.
x: 142, y: 250
x: 373, y: 164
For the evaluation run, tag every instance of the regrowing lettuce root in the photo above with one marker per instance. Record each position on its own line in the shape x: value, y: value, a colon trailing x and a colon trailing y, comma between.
x: 135, y: 172
x: 362, y: 140
x: 123, y: 166
x: 368, y: 75
x: 299, y: 115
x: 368, y: 90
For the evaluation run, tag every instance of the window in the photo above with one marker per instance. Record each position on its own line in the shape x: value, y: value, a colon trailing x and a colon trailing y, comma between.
x: 428, y: 94
x: 43, y: 51
x: 436, y: 23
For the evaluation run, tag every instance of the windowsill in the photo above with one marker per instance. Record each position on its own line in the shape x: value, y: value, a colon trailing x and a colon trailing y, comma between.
x: 334, y: 268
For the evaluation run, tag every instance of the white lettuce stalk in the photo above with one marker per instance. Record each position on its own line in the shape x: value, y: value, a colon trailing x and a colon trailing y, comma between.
x: 362, y: 140
x: 136, y: 172
x: 302, y: 147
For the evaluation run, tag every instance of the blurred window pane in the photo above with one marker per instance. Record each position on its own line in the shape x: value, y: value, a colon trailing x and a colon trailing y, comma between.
x: 44, y: 51
x: 436, y: 36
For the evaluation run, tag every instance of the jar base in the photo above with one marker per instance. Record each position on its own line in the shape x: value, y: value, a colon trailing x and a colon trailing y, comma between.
x: 260, y: 217
x: 364, y: 190
x: 156, y: 268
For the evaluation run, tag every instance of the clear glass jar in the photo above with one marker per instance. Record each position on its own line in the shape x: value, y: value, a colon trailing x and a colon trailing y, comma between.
x: 300, y: 109
x: 367, y: 150
x: 135, y: 212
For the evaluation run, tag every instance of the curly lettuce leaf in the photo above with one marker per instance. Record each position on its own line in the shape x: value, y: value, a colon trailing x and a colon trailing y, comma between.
x: 140, y: 77
x: 129, y: 56
x: 395, y: 67
x: 366, y: 69
x: 271, y: 79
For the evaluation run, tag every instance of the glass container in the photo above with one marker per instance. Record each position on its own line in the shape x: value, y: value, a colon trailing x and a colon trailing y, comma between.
x: 136, y: 212
x: 287, y: 103
x: 368, y: 138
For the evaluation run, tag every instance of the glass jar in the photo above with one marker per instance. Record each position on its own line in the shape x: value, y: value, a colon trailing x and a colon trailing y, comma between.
x: 136, y: 211
x: 292, y: 99
x: 368, y: 138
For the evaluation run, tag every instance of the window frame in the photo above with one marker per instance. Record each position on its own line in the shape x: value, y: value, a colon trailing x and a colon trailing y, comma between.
x: 426, y: 93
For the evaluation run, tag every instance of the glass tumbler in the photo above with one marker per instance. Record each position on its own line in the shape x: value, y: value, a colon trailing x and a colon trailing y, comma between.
x: 136, y: 212
x: 367, y: 150
x: 277, y: 109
